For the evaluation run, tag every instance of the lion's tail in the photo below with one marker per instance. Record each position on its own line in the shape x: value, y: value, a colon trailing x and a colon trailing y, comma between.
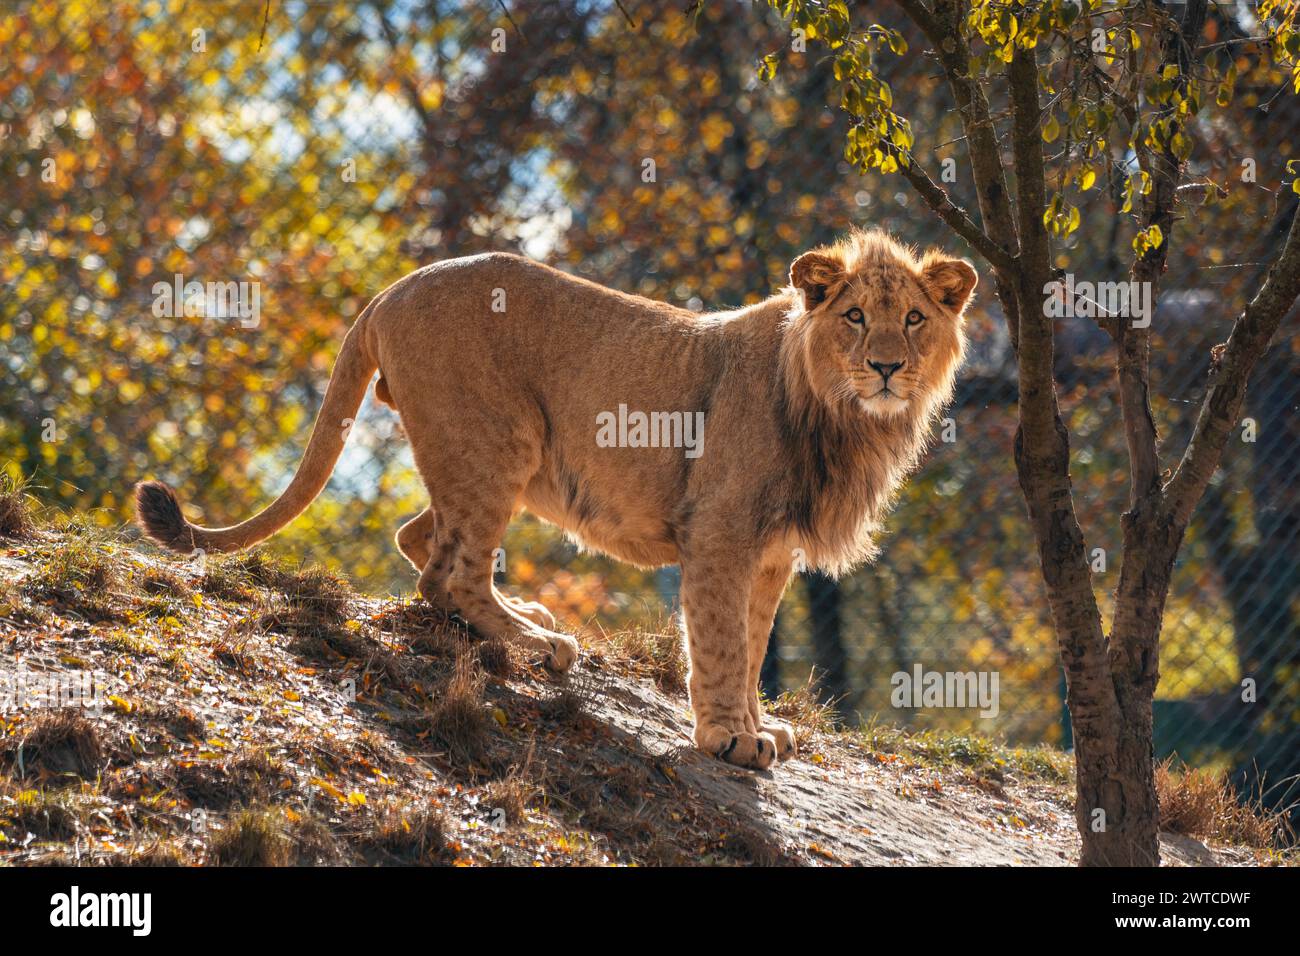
x: 159, y: 513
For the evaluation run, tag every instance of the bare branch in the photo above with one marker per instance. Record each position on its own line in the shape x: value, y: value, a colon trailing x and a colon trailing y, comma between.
x: 1042, y: 447
x: 1038, y: 392
x: 626, y: 16
x: 511, y: 19
x: 936, y: 197
x: 1231, y: 365
x: 1027, y: 148
x: 919, y: 14
x: 942, y: 27
x: 1133, y: 343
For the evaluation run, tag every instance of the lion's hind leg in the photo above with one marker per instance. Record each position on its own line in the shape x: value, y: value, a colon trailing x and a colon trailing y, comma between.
x: 415, y: 538
x: 418, y: 541
x: 472, y: 504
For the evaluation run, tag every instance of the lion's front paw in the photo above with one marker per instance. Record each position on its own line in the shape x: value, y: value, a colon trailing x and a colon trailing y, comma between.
x: 742, y: 748
x: 783, y: 734
x: 564, y: 653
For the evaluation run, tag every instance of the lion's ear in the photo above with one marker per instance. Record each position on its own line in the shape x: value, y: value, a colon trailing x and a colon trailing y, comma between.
x: 950, y: 281
x: 813, y: 273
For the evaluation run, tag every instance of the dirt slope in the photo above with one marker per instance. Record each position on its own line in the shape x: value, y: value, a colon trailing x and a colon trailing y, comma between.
x: 243, y: 713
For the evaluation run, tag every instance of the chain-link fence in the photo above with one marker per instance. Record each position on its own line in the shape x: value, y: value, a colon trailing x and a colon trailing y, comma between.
x: 317, y: 151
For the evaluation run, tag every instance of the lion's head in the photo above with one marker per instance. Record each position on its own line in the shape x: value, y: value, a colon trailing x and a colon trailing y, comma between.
x: 879, y: 329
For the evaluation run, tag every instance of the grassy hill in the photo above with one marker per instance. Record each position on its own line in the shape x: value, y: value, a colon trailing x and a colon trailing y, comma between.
x: 163, y: 712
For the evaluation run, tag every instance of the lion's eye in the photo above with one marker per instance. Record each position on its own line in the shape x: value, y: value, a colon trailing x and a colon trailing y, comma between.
x: 914, y: 318
x: 854, y: 315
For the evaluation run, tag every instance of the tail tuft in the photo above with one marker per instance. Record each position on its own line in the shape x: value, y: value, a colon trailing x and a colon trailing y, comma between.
x: 160, y: 515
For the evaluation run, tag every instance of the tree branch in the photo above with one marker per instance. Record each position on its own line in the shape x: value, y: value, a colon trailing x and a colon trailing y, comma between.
x: 1027, y: 149
x: 936, y: 197
x: 942, y: 27
x: 919, y: 14
x: 1042, y: 442
x: 1230, y: 368
x: 1036, y: 333
x: 1133, y: 343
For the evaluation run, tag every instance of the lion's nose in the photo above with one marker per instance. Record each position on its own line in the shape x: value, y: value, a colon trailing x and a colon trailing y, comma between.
x: 886, y: 369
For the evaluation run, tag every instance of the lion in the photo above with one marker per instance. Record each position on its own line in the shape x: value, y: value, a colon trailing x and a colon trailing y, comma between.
x: 815, y: 402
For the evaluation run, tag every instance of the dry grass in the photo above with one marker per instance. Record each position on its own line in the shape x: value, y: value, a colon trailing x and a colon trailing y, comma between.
x: 156, y: 853
x: 79, y: 577
x: 404, y: 833
x: 301, y: 601
x: 315, y: 593
x: 16, y: 509
x: 15, y: 607
x: 499, y: 659
x: 245, y: 780
x: 657, y: 654
x: 253, y: 838
x: 224, y: 578
x: 458, y: 718
x: 1203, y: 804
x: 46, y: 815
x: 180, y: 722
x: 160, y: 582
x: 54, y: 744
x: 512, y: 794
x: 282, y: 766
x: 805, y: 710
x: 749, y: 845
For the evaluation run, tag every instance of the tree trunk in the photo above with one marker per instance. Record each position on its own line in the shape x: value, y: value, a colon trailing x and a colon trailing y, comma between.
x: 1151, y: 541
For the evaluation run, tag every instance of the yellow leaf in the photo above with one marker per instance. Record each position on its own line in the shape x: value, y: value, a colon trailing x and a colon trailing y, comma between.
x: 823, y: 853
x: 328, y: 787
